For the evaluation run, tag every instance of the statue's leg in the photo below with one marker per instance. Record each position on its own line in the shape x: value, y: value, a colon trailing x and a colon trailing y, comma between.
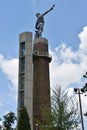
x: 36, y: 34
x: 41, y: 29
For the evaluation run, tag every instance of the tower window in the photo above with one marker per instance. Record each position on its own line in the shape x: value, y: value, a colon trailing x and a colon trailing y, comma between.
x: 22, y: 79
x: 21, y: 99
x: 22, y: 65
x: 22, y: 49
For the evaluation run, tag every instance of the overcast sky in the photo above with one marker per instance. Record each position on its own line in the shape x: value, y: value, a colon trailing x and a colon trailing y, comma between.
x: 66, y: 31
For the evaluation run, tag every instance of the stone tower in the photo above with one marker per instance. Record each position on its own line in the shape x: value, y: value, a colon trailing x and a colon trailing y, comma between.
x: 41, y: 82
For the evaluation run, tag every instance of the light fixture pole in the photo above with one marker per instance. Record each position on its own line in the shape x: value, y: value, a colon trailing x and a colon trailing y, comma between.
x: 85, y: 114
x: 85, y: 76
x: 85, y: 89
x: 78, y: 91
x: 36, y: 126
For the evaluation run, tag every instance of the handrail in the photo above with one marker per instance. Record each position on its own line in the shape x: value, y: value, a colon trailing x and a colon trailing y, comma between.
x: 46, y: 54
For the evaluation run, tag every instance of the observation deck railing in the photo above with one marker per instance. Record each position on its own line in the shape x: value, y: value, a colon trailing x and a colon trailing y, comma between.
x: 42, y: 54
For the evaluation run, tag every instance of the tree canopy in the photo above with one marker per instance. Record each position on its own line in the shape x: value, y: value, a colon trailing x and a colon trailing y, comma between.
x: 65, y: 110
x: 64, y: 113
x: 8, y: 120
x: 24, y: 121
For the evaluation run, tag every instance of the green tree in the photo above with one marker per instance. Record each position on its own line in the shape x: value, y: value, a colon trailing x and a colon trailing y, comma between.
x: 65, y: 110
x: 0, y: 124
x: 64, y: 113
x: 24, y: 121
x: 8, y: 120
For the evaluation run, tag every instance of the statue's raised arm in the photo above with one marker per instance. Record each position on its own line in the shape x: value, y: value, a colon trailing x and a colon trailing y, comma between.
x: 48, y: 10
x: 40, y: 22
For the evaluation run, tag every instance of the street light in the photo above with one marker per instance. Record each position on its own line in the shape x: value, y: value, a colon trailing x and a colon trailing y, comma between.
x: 85, y: 89
x: 85, y: 114
x: 85, y: 76
x: 36, y: 126
x: 80, y: 91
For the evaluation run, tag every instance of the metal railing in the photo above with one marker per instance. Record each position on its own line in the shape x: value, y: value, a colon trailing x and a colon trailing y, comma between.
x: 42, y: 54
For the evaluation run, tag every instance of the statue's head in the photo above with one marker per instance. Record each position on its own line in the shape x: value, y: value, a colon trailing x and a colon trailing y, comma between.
x: 37, y: 14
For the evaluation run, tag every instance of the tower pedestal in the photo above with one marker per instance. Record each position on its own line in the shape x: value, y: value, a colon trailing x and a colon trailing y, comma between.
x: 41, y: 82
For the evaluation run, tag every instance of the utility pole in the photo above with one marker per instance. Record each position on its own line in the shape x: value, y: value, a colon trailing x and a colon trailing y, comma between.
x: 85, y: 89
x: 78, y: 91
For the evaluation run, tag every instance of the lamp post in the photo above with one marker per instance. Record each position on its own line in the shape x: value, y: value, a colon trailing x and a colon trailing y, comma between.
x: 85, y: 114
x: 78, y: 91
x: 36, y: 126
x: 85, y: 89
x: 85, y: 76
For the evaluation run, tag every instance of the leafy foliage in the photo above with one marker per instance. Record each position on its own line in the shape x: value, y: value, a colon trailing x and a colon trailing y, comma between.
x: 8, y: 120
x: 64, y: 114
x: 23, y: 123
x: 64, y: 110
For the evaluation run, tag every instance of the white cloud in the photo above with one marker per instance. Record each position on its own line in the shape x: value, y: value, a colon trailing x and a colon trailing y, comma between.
x: 10, y: 68
x: 83, y: 39
x: 84, y: 103
x: 68, y: 66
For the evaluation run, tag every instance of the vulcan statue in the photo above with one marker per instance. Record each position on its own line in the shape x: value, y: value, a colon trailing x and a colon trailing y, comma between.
x: 40, y: 23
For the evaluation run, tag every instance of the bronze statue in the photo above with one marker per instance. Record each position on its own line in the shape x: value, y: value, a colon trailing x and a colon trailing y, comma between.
x: 40, y: 22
